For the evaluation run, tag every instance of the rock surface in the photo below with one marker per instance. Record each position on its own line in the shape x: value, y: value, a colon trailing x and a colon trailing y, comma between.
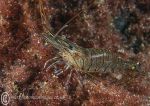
x: 116, y: 25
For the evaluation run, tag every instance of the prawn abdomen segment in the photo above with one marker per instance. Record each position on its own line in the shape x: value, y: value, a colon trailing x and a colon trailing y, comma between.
x: 99, y: 59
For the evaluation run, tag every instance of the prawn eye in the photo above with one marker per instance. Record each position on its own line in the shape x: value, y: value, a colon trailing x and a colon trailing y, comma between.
x: 70, y: 47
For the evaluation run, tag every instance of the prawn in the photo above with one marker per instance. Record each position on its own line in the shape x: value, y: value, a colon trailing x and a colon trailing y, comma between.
x: 86, y: 60
x: 89, y: 59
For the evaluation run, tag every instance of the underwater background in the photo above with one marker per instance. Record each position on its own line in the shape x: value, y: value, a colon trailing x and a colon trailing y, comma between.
x: 122, y: 26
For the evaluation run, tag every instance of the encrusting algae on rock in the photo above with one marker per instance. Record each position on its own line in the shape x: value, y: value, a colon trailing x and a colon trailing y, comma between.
x: 21, y: 70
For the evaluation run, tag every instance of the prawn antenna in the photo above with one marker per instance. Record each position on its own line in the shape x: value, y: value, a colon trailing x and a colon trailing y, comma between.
x: 46, y: 26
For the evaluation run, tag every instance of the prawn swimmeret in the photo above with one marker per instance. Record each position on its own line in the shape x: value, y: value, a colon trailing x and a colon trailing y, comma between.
x: 87, y: 60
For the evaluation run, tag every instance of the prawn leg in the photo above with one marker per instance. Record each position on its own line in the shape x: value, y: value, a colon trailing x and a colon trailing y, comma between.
x: 53, y: 64
x: 80, y: 79
x: 68, y: 80
x: 50, y: 60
